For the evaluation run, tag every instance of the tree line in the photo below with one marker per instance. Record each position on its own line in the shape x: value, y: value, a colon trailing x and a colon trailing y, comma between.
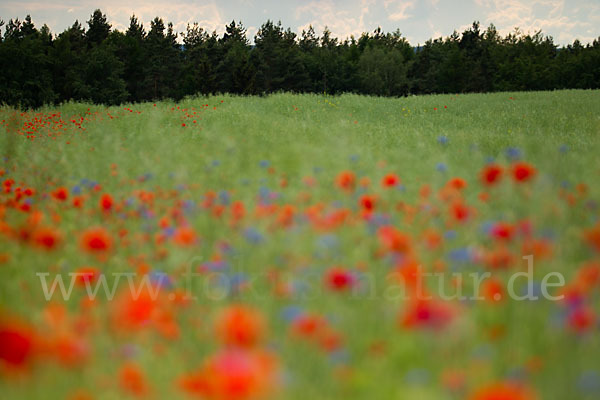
x: 106, y: 66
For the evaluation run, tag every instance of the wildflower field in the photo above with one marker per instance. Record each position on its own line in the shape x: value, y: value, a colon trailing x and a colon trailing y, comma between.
x: 303, y: 247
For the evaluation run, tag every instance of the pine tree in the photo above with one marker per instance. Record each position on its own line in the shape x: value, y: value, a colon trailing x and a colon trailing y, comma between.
x: 98, y: 30
x: 133, y: 58
x: 234, y: 72
x: 26, y: 79
x: 67, y: 55
x: 163, y: 59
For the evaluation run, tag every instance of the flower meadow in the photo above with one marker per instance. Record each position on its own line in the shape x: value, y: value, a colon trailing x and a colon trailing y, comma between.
x: 302, y: 246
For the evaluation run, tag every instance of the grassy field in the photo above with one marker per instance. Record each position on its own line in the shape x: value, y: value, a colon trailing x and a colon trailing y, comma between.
x: 287, y: 246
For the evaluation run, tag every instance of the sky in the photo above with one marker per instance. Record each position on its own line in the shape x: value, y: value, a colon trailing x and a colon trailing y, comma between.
x: 418, y: 21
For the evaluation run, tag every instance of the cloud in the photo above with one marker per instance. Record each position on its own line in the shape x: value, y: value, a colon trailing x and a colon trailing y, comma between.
x: 436, y: 33
x: 339, y: 21
x: 16, y: 6
x: 400, y: 9
x: 365, y: 4
x: 179, y: 12
x: 419, y: 20
x: 531, y: 16
x: 251, y: 32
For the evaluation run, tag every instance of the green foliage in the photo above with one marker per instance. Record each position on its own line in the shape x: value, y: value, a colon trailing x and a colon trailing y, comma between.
x: 107, y: 66
x: 382, y: 72
x: 102, y: 76
x: 26, y: 78
x: 98, y: 30
x: 161, y: 70
x: 132, y: 53
x: 200, y: 60
x: 68, y: 58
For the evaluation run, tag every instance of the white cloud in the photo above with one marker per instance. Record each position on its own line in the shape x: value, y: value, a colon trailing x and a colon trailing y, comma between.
x: 365, y: 4
x: 530, y: 16
x: 15, y: 6
x: 564, y: 20
x: 251, y: 32
x: 179, y: 12
x: 398, y: 10
x: 342, y: 23
x: 436, y: 32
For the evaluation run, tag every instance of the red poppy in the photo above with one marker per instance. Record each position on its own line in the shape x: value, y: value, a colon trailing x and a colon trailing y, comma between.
x: 96, y: 240
x: 69, y: 349
x: 285, y: 216
x: 393, y: 240
x: 502, y: 231
x: 329, y: 340
x: 16, y: 344
x: 78, y: 201
x: 132, y: 380
x: 339, y: 279
x: 60, y: 194
x: 457, y: 183
x: 523, y: 172
x: 46, y: 238
x: 164, y: 222
x: 428, y: 314
x: 503, y: 391
x: 241, y: 326
x: 131, y: 313
x: 238, y: 211
x: 539, y: 248
x: 233, y: 374
x: 367, y: 202
x: 499, y: 258
x: 581, y: 319
x: 491, y: 174
x: 318, y: 331
x: 346, y: 180
x: 8, y: 185
x: 459, y: 211
x: 146, y: 311
x: 409, y: 272
x: 185, y: 236
x: 493, y: 291
x: 390, y: 180
x: 86, y: 274
x: 307, y: 325
x: 588, y: 275
x: 106, y: 202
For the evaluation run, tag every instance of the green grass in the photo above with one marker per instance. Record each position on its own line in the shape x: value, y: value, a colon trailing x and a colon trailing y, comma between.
x: 314, y: 136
